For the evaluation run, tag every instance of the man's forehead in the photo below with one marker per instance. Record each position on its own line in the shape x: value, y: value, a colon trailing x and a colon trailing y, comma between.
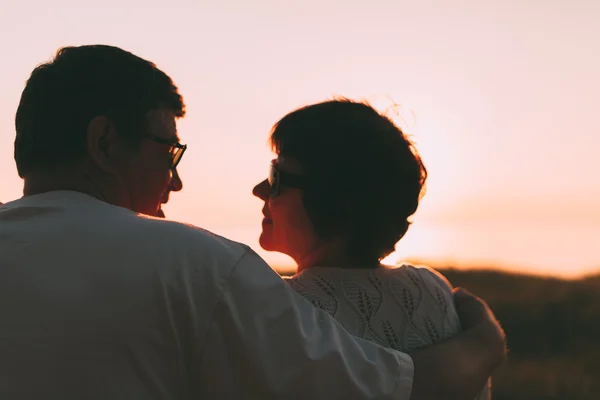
x: 163, y: 123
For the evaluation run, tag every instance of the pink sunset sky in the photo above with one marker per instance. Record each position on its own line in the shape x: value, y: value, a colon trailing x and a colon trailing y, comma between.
x: 501, y: 98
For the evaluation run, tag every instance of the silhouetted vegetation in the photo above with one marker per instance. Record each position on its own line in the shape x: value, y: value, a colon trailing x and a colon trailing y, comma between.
x: 553, y: 331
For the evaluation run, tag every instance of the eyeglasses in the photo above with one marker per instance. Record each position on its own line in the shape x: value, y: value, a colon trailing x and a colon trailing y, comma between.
x: 177, y: 149
x: 278, y: 178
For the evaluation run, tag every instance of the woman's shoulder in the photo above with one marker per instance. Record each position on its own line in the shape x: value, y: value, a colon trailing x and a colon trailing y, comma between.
x: 427, y: 280
x: 416, y: 302
x: 422, y: 274
x: 421, y: 277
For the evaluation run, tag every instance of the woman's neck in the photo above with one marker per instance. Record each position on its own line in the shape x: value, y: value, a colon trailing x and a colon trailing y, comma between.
x: 330, y: 256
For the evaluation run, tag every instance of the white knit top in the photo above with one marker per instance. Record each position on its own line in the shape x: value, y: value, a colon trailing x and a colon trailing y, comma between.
x: 404, y: 308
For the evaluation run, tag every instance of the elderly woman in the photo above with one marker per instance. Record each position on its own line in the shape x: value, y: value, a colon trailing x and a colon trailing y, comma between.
x: 337, y: 200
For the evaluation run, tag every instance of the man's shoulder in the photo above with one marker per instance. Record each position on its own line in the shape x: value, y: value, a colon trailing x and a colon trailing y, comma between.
x: 82, y: 217
x: 184, y: 237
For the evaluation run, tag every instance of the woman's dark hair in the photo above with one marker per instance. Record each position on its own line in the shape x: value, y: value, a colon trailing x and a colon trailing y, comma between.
x: 62, y: 96
x: 365, y: 176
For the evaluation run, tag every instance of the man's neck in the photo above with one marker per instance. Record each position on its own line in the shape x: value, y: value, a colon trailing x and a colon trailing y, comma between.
x: 49, y: 182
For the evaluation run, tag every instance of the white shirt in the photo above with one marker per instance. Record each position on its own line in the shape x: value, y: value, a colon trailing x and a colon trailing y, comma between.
x: 97, y: 302
x: 405, y: 308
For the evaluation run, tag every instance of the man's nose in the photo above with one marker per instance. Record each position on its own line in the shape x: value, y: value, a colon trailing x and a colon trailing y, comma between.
x: 176, y: 184
x: 262, y: 190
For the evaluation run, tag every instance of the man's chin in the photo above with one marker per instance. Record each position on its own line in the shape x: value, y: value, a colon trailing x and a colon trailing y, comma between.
x: 159, y: 213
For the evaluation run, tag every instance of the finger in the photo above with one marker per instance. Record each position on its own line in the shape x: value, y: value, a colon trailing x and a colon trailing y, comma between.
x: 462, y: 294
x: 467, y: 301
x: 460, y: 290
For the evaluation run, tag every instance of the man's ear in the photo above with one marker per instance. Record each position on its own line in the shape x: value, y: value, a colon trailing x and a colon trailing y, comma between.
x: 102, y: 143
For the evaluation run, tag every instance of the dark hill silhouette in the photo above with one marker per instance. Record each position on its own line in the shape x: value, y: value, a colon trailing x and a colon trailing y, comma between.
x: 553, y: 331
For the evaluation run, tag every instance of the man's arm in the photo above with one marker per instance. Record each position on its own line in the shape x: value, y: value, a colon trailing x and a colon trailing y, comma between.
x: 266, y: 341
x: 459, y: 368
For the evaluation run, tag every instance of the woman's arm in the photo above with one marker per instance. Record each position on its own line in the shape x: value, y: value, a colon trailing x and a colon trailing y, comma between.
x: 459, y: 367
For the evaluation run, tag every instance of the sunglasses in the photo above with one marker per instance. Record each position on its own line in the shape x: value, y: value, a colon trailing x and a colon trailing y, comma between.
x: 278, y: 178
x: 177, y: 149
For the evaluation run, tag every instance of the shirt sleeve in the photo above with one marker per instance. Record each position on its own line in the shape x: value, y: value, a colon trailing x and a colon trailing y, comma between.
x: 266, y: 341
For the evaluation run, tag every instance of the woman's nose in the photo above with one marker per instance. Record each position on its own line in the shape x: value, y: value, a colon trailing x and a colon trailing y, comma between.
x: 176, y: 184
x: 262, y: 190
